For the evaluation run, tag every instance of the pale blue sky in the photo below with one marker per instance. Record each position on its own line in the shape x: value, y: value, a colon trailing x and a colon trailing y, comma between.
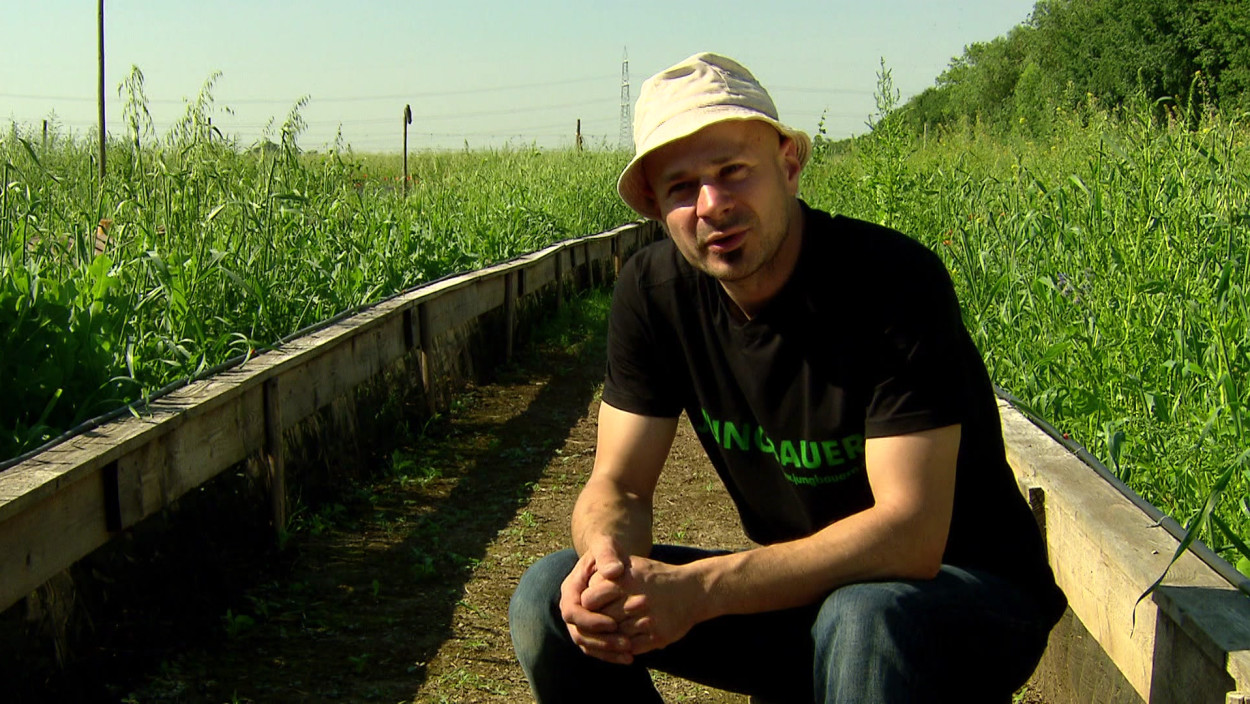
x: 491, y: 73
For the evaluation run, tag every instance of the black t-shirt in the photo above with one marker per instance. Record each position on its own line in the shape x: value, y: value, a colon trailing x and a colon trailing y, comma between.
x: 865, y: 340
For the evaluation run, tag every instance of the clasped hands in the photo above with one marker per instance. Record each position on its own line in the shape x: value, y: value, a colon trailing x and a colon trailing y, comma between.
x: 619, y: 606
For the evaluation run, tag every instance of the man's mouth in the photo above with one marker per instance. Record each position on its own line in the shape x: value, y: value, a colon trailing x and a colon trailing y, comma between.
x: 725, y: 242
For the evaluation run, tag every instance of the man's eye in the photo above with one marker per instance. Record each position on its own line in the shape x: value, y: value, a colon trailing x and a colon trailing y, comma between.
x: 680, y: 187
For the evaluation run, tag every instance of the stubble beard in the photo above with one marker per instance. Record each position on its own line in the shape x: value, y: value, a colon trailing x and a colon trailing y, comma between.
x: 725, y: 267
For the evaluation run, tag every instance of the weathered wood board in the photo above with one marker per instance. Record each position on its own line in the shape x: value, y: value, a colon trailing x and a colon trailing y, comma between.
x: 65, y: 502
x: 1187, y: 643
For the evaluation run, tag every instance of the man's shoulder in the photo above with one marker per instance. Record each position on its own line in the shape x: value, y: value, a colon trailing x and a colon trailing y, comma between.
x: 869, y: 258
x: 860, y: 239
x: 658, y: 264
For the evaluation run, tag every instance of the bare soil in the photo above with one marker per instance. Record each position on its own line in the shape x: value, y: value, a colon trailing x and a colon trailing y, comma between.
x: 399, y: 591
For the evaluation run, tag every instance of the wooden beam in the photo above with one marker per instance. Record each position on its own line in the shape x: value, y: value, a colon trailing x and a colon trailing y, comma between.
x: 509, y: 306
x: 65, y: 502
x: 1105, y: 552
x: 275, y: 456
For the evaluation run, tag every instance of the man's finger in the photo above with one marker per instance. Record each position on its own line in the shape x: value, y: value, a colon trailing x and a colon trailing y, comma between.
x: 612, y: 656
x: 588, y: 621
x: 643, y: 643
x: 607, y: 642
x: 601, y: 593
x: 635, y: 626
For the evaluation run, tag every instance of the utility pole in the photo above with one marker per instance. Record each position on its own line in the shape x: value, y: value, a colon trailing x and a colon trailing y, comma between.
x: 101, y: 95
x: 626, y: 139
x: 407, y: 121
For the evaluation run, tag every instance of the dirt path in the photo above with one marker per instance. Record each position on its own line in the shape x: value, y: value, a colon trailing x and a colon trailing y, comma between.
x: 400, y: 592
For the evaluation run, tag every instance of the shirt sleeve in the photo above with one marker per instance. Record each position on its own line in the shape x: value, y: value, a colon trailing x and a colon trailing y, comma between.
x: 920, y: 371
x: 640, y: 379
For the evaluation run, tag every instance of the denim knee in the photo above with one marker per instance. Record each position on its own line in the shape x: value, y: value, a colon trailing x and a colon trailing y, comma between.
x: 533, y: 613
x: 862, y: 647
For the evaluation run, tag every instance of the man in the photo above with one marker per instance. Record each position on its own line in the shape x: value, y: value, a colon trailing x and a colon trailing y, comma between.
x: 825, y: 366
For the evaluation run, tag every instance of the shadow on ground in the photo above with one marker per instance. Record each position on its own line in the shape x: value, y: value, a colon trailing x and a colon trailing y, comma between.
x: 363, y: 595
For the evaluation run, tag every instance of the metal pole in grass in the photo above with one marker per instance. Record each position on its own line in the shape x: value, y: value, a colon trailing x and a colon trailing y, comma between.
x: 407, y: 121
x: 101, y: 93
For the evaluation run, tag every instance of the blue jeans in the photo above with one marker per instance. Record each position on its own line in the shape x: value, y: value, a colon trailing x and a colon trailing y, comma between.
x: 964, y: 636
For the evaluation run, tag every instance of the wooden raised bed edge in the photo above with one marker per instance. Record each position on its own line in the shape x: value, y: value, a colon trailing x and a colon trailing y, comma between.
x: 65, y: 502
x: 1189, y: 642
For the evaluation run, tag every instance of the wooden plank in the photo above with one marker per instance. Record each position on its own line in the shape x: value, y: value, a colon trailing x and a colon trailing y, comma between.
x: 559, y: 277
x: 60, y: 530
x: 144, y: 478
x: 212, y: 438
x: 1076, y: 670
x: 600, y: 253
x: 336, y: 368
x: 455, y: 307
x: 275, y: 455
x: 539, y: 274
x: 509, y: 305
x: 1105, y: 552
x: 190, y: 435
x: 39, y: 477
x: 425, y: 344
x: 1183, y: 670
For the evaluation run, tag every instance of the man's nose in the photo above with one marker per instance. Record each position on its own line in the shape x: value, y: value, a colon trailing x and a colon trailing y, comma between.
x: 714, y: 199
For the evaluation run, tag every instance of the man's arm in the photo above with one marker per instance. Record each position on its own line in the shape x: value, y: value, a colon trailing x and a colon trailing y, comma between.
x: 611, y: 523
x: 903, y: 535
x: 615, y: 504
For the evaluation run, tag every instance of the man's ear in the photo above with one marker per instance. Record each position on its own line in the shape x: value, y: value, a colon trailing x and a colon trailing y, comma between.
x: 788, y: 158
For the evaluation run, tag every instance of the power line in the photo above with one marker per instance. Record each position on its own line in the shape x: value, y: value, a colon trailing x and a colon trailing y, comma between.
x: 332, y: 99
x: 821, y: 91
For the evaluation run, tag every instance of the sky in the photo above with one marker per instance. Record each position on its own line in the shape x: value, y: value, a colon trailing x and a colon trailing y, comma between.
x: 485, y: 74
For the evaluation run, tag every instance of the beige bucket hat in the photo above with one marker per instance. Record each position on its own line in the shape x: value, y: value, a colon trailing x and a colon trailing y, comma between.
x: 683, y: 99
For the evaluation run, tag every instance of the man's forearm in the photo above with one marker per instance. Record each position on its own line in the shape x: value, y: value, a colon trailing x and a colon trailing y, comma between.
x: 602, y: 511
x: 859, y: 548
x: 902, y: 536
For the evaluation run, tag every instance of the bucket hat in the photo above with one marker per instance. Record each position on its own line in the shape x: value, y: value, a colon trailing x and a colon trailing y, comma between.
x: 683, y: 99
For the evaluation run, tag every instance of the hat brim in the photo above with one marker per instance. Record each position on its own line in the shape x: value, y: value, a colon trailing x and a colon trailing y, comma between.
x: 632, y: 185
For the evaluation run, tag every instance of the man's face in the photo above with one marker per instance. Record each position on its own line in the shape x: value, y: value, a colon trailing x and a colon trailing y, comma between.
x: 726, y: 195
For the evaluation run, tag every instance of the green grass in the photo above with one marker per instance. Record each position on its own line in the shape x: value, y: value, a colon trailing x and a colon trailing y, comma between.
x: 214, y: 252
x: 1103, y: 270
x: 1104, y: 276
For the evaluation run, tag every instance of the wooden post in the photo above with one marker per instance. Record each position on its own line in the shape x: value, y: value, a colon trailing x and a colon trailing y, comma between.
x: 426, y: 340
x: 509, y: 312
x: 275, y: 456
x: 578, y: 139
x: 45, y: 134
x: 407, y: 121
x: 560, y: 278
x: 101, y: 94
